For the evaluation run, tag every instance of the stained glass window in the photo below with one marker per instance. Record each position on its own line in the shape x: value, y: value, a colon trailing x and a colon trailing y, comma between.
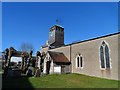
x: 107, y: 57
x: 104, y: 55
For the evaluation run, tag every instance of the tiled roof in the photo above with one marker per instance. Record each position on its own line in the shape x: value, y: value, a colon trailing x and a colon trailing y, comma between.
x: 58, y: 57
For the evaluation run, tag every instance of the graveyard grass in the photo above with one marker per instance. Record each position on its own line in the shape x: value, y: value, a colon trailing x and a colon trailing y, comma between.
x: 60, y: 81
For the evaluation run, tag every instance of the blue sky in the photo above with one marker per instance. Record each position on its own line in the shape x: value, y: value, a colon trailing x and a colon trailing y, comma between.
x: 30, y: 22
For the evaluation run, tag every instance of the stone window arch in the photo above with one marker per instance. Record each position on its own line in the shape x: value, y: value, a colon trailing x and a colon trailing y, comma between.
x: 79, y: 61
x: 104, y: 56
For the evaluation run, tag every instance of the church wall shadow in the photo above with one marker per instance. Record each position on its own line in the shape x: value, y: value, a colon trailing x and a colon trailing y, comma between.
x: 16, y: 83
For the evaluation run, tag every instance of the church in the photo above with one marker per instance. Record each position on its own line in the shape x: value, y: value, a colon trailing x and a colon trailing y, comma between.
x: 94, y: 57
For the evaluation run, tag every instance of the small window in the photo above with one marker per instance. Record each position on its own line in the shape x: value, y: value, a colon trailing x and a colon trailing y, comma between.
x: 79, y: 61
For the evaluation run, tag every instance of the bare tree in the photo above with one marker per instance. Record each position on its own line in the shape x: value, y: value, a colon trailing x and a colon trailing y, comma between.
x: 26, y: 47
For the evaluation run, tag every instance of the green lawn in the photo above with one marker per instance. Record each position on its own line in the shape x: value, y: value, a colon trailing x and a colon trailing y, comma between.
x: 60, y: 81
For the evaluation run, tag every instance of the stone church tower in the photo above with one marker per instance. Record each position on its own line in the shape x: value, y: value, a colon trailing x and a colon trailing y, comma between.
x: 56, y: 36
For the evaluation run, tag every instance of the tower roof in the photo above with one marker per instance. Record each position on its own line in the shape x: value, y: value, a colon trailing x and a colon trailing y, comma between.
x: 56, y: 25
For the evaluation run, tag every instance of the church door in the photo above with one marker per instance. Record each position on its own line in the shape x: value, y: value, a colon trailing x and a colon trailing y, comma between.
x: 47, y: 67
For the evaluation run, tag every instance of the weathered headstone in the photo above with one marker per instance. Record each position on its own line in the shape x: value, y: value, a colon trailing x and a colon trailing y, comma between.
x: 38, y: 64
x: 37, y: 73
x: 29, y: 71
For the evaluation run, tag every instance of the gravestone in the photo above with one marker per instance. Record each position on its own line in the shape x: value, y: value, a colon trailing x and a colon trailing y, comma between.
x: 37, y: 73
x: 29, y: 71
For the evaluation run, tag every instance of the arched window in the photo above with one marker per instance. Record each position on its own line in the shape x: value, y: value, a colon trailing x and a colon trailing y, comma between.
x: 104, y: 56
x: 79, y: 61
x: 107, y: 57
